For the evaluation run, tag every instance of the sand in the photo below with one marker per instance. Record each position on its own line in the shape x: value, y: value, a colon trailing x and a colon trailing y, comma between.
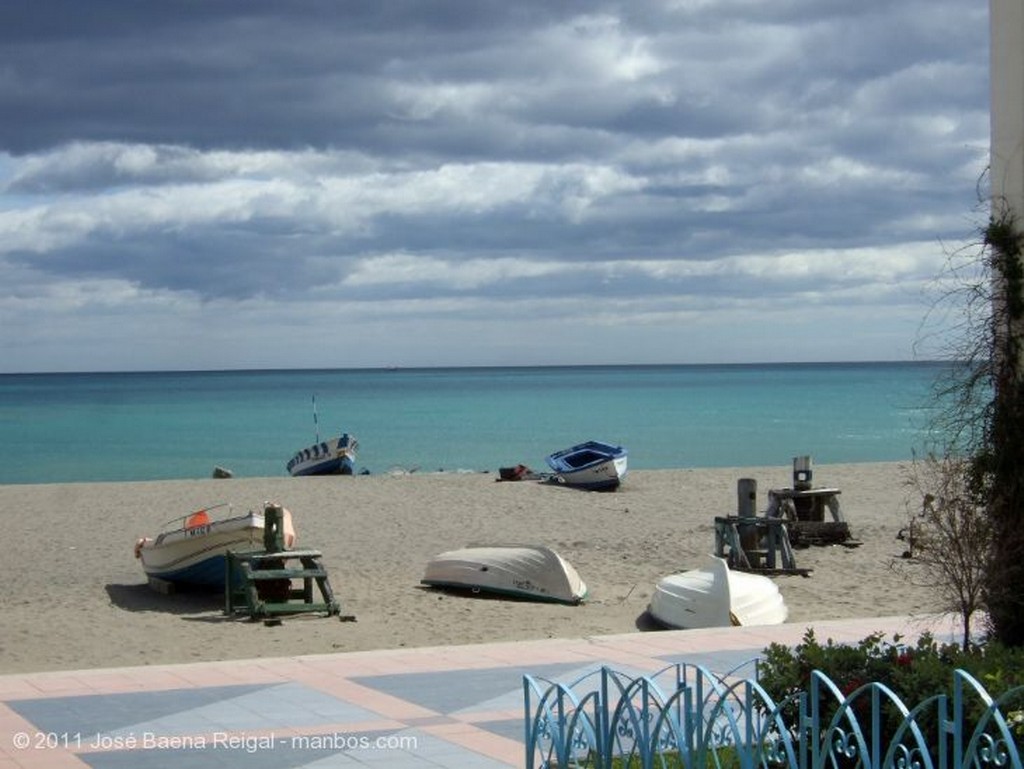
x: 75, y: 596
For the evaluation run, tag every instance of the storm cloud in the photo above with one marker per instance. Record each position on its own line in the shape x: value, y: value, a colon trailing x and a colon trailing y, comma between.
x: 269, y: 183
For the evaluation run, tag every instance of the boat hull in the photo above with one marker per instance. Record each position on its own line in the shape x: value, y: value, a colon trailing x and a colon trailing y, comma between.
x: 715, y: 596
x: 522, y: 571
x: 594, y: 466
x: 333, y: 457
x: 205, y: 571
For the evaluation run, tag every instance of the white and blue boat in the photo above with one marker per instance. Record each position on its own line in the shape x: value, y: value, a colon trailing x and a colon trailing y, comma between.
x: 192, y: 550
x: 594, y: 465
x: 335, y: 456
x: 331, y: 457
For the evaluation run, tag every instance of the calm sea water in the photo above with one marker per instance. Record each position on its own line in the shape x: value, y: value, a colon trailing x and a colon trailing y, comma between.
x: 147, y: 426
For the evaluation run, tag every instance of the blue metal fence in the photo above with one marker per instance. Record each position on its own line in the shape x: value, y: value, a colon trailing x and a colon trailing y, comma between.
x: 687, y: 716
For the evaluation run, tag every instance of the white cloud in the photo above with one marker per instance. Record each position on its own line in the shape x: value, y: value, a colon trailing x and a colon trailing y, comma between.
x: 427, y: 270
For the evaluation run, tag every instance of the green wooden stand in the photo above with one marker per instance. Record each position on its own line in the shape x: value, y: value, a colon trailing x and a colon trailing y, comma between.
x: 260, y: 582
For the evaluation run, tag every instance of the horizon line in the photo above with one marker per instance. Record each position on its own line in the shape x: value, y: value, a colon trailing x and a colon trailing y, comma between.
x: 489, y: 366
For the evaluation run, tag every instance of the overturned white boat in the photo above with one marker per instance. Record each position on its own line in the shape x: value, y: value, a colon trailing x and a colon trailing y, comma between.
x: 525, y: 571
x: 715, y: 596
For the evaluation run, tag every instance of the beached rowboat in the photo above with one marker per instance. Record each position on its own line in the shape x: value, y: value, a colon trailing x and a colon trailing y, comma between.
x: 524, y: 571
x: 715, y: 596
x: 192, y: 549
x: 593, y: 465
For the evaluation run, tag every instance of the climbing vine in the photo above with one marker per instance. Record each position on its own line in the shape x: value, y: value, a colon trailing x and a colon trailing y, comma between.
x: 1004, y: 239
x: 978, y: 427
x: 999, y: 467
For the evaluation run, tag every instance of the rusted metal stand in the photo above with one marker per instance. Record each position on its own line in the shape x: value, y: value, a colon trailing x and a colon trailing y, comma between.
x: 803, y: 508
x: 261, y: 583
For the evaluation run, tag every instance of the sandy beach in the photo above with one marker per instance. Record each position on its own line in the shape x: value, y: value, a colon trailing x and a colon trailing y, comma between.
x: 76, y: 597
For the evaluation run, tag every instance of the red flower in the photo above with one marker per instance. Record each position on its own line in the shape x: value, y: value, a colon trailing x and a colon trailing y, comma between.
x: 851, y: 686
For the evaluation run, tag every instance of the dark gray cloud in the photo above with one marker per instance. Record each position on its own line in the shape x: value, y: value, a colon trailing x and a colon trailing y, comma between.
x: 662, y: 159
x: 294, y: 74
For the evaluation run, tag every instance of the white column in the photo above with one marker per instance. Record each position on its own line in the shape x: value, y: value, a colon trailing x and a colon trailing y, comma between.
x: 1007, y: 91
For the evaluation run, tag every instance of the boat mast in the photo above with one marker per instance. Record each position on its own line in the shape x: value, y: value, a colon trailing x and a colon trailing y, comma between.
x: 316, y: 424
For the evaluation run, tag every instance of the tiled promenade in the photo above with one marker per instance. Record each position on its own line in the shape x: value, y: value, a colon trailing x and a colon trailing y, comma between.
x: 440, y: 707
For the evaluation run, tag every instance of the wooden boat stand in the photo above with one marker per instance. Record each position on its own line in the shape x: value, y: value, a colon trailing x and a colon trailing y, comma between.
x: 754, y: 544
x: 804, y: 510
x: 259, y: 582
x: 803, y: 507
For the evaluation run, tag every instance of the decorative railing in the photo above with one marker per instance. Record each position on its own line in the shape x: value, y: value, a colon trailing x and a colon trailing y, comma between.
x: 687, y: 716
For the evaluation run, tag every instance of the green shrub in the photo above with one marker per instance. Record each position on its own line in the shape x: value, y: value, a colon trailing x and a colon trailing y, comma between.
x: 914, y: 673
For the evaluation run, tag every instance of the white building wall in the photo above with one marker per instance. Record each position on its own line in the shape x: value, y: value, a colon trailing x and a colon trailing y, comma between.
x: 1007, y: 90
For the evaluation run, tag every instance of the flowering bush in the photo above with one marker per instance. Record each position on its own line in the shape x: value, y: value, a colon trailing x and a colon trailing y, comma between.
x: 914, y: 673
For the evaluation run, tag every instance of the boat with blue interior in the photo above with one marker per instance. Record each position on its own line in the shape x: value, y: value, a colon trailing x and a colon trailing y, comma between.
x: 593, y: 465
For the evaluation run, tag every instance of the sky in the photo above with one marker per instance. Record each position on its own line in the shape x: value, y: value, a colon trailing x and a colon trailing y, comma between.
x: 322, y: 184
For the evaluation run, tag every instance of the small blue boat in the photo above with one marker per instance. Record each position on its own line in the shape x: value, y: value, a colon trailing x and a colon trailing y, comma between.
x: 593, y: 465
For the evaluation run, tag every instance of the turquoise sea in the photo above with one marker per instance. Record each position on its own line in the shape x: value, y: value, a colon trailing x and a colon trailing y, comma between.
x: 165, y: 425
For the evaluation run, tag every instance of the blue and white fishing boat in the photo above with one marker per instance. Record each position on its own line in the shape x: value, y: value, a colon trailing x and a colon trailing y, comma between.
x: 593, y: 465
x: 336, y: 456
x: 332, y: 457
